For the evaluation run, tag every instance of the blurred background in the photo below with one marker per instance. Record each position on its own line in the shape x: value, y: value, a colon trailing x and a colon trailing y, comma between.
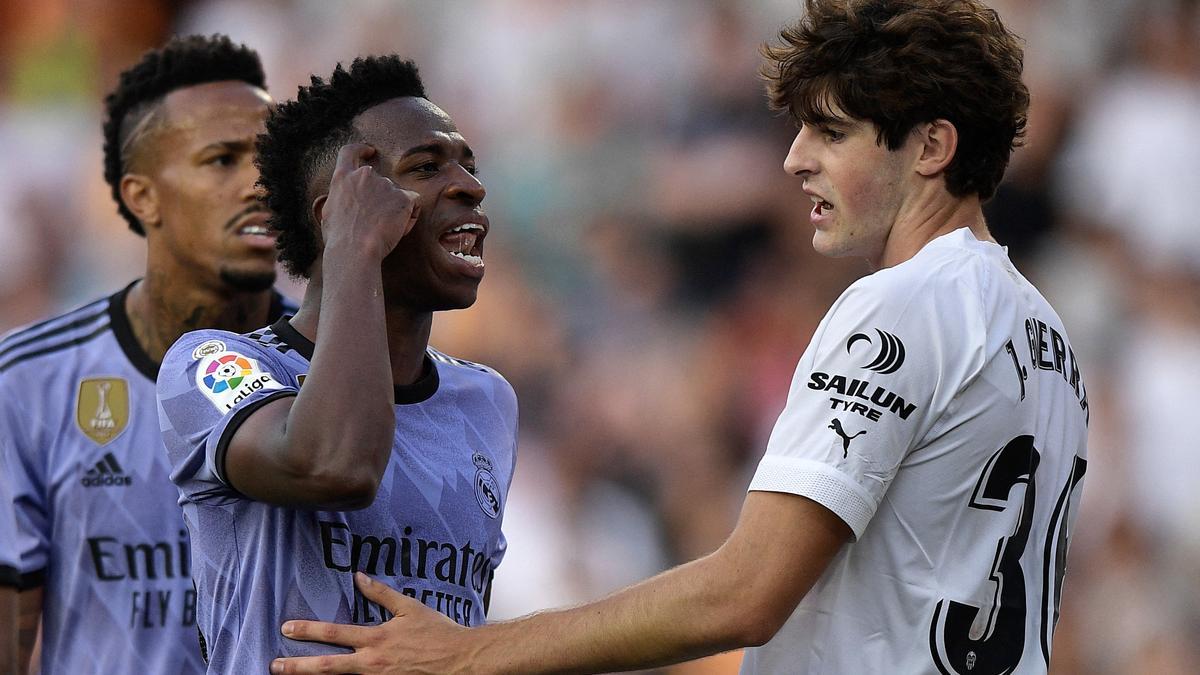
x: 650, y: 281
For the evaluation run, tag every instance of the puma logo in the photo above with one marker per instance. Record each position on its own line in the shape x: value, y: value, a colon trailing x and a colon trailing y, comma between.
x: 836, y: 425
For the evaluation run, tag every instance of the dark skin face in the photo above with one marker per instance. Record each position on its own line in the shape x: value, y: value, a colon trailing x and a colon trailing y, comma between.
x: 420, y: 149
x: 193, y: 187
x: 210, y: 262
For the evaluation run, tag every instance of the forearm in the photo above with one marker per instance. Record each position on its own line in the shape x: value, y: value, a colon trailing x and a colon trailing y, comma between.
x: 688, y: 612
x: 736, y: 597
x: 342, y: 422
x: 20, y: 614
x: 8, y: 630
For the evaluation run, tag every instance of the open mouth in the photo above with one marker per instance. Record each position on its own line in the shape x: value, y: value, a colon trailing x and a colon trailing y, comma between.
x: 465, y: 242
x: 820, y: 206
x: 254, y: 231
x: 255, y: 228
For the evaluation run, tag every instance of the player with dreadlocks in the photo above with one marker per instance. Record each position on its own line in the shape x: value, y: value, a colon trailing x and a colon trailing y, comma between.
x: 340, y: 441
x: 99, y: 554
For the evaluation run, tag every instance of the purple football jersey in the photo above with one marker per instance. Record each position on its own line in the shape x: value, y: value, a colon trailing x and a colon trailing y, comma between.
x: 87, y: 510
x: 433, y: 531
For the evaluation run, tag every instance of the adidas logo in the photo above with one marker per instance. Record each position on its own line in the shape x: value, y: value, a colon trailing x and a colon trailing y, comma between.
x: 106, y: 472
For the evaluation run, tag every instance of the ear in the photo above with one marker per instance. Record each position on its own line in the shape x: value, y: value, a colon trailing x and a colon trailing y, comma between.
x: 939, y: 142
x: 141, y: 198
x: 318, y: 207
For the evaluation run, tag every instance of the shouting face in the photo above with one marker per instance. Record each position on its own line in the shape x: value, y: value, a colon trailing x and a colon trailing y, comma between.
x: 438, y: 265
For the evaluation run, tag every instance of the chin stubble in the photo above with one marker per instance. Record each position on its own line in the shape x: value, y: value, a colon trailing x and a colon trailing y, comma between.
x: 250, y: 282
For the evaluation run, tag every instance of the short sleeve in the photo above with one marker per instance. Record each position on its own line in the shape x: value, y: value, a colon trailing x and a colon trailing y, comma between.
x: 209, y: 382
x: 24, y: 516
x: 882, y: 367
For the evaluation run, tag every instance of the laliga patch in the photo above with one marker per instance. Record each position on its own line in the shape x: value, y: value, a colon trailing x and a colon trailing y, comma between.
x: 227, y: 378
x: 208, y: 349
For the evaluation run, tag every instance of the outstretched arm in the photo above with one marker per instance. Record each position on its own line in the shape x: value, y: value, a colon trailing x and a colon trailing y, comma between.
x: 738, y: 596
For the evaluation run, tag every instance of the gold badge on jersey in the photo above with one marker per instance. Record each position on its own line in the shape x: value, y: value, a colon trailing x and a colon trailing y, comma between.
x: 102, y: 409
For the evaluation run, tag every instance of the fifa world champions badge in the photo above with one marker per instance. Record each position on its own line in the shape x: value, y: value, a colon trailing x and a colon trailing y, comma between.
x: 102, y: 408
x: 228, y: 378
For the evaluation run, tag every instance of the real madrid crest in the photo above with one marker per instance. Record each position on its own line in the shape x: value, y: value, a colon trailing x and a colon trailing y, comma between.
x: 102, y: 409
x: 487, y: 489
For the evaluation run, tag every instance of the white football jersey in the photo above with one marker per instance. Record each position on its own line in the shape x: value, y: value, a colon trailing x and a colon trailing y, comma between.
x: 940, y: 412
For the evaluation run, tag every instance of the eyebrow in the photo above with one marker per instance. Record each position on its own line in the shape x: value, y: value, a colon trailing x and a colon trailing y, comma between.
x: 228, y: 145
x: 436, y: 148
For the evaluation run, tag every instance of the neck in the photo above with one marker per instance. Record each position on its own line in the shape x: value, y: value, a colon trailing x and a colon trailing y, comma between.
x: 407, y: 333
x: 928, y: 217
x: 161, y: 310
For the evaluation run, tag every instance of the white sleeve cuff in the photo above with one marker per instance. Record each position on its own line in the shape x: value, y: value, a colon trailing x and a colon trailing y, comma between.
x: 819, y: 482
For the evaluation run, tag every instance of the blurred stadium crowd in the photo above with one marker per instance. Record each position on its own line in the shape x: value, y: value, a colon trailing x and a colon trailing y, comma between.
x: 650, y: 281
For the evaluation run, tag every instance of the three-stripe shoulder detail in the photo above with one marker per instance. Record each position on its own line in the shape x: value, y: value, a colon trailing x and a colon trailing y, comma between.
x: 67, y: 330
x: 24, y: 335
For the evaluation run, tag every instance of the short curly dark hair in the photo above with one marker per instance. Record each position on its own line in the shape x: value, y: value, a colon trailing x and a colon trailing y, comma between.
x: 182, y: 62
x: 900, y: 63
x: 303, y: 137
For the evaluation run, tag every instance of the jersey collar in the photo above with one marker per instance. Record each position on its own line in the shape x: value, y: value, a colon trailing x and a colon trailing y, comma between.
x: 123, y: 330
x: 421, y: 390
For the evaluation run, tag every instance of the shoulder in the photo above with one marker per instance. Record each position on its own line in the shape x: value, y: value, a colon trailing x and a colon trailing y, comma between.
x: 934, y: 309
x: 461, y: 365
x: 45, y: 341
x: 942, y: 271
x: 943, y: 281
x: 198, y: 344
x: 209, y: 351
x: 452, y: 367
x: 223, y: 368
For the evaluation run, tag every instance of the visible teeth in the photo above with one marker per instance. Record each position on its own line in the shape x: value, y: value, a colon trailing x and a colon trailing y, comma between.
x: 473, y: 259
x: 468, y: 227
x: 255, y: 229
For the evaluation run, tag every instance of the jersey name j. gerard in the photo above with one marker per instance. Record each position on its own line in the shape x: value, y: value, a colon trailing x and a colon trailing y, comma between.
x: 940, y: 412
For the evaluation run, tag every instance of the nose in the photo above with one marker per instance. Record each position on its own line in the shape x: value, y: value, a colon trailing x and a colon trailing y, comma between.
x: 251, y: 190
x: 800, y: 160
x: 465, y: 185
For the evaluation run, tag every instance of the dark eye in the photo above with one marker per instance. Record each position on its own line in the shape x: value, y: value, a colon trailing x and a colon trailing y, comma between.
x: 427, y: 167
x: 471, y: 169
x: 223, y: 159
x: 833, y: 134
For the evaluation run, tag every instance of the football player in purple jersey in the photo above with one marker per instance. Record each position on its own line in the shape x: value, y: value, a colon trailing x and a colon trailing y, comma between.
x: 99, y: 554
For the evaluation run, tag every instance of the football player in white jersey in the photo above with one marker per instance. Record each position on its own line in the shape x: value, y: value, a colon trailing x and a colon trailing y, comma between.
x: 913, y: 509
